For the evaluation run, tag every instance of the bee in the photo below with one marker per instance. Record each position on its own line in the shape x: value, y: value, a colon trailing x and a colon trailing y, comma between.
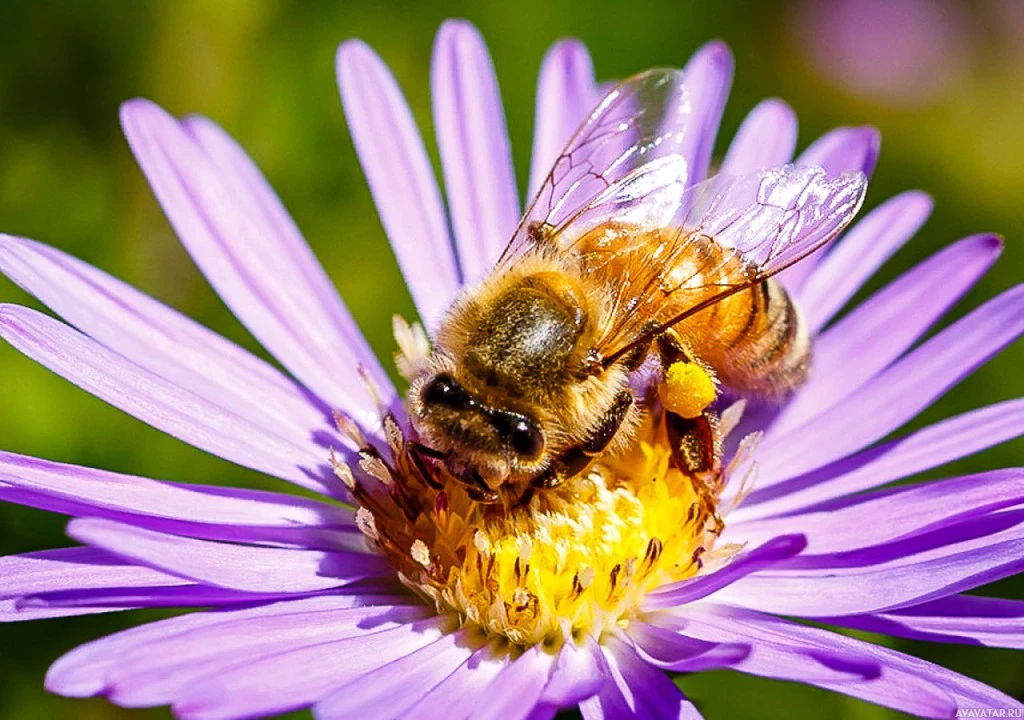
x: 621, y: 268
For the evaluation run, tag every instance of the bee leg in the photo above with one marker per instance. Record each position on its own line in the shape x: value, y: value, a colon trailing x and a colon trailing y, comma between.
x: 576, y: 459
x: 697, y: 450
x: 477, y: 489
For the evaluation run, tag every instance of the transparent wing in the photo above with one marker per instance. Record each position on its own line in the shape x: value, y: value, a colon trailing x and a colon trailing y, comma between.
x: 677, y: 250
x: 639, y: 122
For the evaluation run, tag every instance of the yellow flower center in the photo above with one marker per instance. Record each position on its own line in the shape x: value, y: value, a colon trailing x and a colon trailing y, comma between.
x: 573, y: 560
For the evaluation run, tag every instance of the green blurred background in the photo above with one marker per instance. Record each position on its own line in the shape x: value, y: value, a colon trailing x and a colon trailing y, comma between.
x: 949, y: 108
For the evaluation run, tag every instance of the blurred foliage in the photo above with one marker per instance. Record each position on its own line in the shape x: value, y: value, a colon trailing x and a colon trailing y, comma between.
x: 264, y: 70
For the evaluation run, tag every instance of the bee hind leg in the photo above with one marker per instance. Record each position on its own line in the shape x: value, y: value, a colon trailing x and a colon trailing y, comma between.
x: 697, y: 450
x: 576, y: 459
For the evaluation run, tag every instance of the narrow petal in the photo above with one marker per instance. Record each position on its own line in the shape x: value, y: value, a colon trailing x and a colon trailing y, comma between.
x: 402, y: 183
x: 852, y: 352
x: 673, y: 651
x: 298, y: 677
x: 841, y: 150
x: 770, y: 651
x: 238, y: 567
x: 922, y: 450
x: 708, y: 77
x: 216, y: 513
x: 257, y: 274
x: 647, y: 691
x: 766, y: 138
x: 67, y: 569
x: 390, y: 690
x: 966, y: 619
x: 845, y: 149
x: 905, y: 683
x: 455, y: 697
x: 578, y: 673
x: 566, y: 93
x: 772, y: 551
x: 160, y: 339
x: 325, y: 307
x: 899, y: 393
x: 159, y: 402
x: 517, y: 689
x: 60, y: 603
x: 856, y: 257
x: 907, y: 510
x: 82, y: 672
x: 479, y: 178
x: 162, y: 670
x: 904, y: 572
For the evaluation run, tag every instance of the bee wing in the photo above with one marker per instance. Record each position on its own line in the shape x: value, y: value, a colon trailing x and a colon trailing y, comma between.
x: 726, y: 235
x: 641, y: 121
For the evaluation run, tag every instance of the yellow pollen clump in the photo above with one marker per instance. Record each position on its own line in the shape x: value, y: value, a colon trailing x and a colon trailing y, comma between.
x: 573, y: 560
x: 688, y: 389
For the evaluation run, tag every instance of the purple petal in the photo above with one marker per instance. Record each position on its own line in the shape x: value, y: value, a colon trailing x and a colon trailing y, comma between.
x: 708, y: 77
x: 771, y: 652
x: 903, y: 682
x: 159, y: 402
x: 329, y: 329
x: 160, y: 339
x: 844, y: 149
x: 162, y: 670
x: 99, y: 600
x: 457, y: 695
x: 852, y: 352
x: 772, y: 551
x: 297, y: 677
x: 402, y: 183
x: 964, y: 619
x: 864, y: 249
x: 908, y: 511
x: 479, y: 178
x: 841, y: 150
x: 82, y: 672
x: 672, y: 651
x: 566, y: 93
x: 518, y: 688
x: 238, y: 567
x: 210, y: 512
x: 67, y: 569
x: 899, y: 393
x: 578, y: 673
x: 325, y: 308
x: 931, y: 447
x: 648, y: 692
x: 766, y: 139
x: 257, y: 273
x: 898, y: 574
x: 387, y: 692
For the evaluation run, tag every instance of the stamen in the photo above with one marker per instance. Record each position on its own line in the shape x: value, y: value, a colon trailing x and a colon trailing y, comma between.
x: 573, y: 560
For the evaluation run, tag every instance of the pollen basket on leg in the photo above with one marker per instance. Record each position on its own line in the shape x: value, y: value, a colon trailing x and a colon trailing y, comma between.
x: 568, y: 561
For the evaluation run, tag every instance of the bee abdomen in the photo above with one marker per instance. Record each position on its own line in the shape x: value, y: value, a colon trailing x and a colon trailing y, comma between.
x: 758, y: 343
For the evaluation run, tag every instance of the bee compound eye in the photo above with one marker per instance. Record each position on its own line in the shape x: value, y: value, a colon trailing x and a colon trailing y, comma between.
x: 526, y: 440
x: 444, y: 391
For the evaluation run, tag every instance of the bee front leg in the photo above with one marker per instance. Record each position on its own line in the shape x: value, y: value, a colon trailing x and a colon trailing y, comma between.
x: 576, y: 459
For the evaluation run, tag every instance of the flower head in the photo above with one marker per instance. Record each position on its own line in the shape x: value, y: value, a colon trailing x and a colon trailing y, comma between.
x: 398, y: 594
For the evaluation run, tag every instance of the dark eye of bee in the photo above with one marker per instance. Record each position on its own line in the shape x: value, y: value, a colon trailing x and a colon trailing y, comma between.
x: 525, y: 439
x: 522, y: 436
x: 444, y: 391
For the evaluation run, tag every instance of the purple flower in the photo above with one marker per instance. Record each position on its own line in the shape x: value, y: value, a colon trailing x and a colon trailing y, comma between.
x: 300, y: 606
x: 898, y: 52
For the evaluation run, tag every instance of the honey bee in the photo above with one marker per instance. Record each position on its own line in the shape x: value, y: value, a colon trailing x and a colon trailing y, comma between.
x: 620, y: 266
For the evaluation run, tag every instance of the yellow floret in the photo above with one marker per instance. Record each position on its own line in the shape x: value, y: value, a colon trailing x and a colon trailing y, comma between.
x: 688, y: 389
